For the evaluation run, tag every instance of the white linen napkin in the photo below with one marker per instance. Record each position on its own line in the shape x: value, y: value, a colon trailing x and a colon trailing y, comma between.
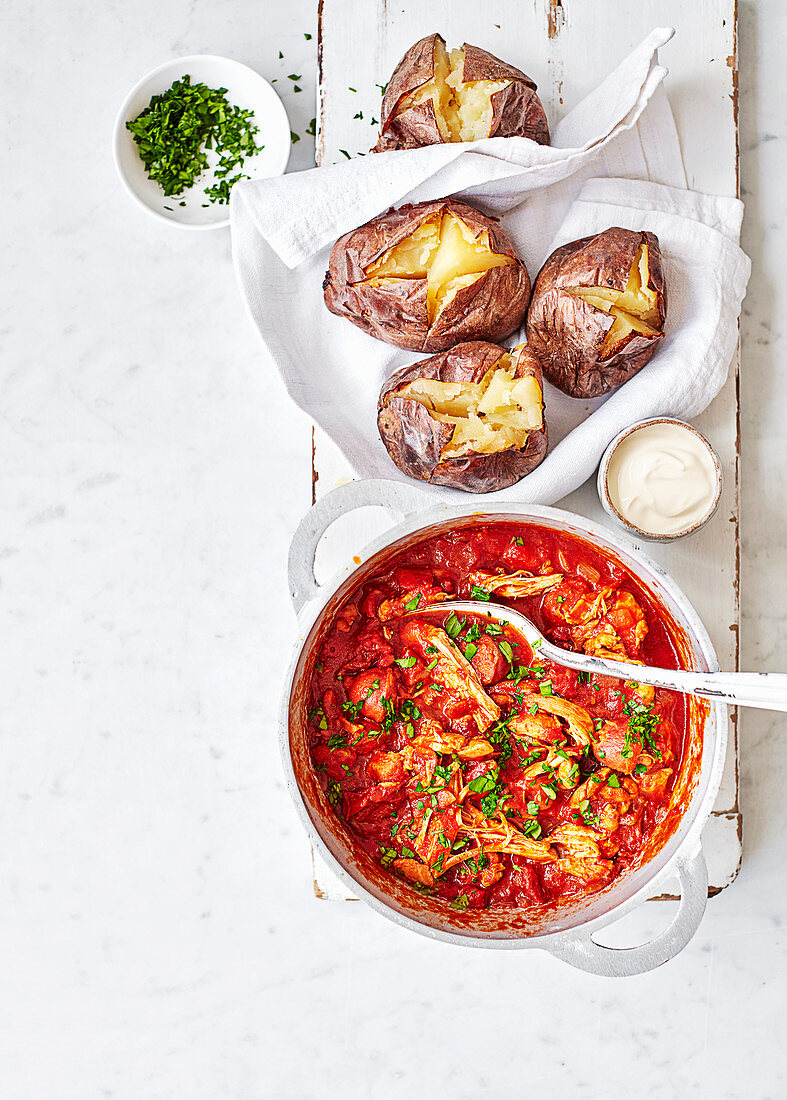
x: 283, y: 229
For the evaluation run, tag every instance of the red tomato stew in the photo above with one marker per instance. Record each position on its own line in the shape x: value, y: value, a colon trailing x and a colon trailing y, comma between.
x: 466, y: 765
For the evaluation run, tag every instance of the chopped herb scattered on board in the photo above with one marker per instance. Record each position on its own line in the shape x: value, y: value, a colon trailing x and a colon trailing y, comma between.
x: 177, y: 127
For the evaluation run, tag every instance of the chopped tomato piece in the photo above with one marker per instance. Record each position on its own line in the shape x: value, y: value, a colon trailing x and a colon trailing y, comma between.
x: 523, y: 884
x: 387, y: 766
x: 518, y: 556
x: 380, y: 795
x: 369, y: 647
x: 564, y: 681
x: 654, y: 784
x: 370, y: 688
x: 410, y: 578
x: 461, y: 552
x: 488, y: 661
x: 615, y: 747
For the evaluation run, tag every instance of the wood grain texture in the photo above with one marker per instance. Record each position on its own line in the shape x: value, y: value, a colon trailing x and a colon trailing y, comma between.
x: 567, y: 47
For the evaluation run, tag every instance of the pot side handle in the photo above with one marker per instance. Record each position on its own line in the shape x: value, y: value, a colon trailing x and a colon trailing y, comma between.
x: 581, y: 951
x: 394, y: 496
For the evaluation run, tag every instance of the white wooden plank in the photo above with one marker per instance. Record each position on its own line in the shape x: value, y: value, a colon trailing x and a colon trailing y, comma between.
x: 567, y: 47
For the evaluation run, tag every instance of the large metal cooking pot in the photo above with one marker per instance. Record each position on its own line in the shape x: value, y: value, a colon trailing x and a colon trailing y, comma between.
x: 566, y: 932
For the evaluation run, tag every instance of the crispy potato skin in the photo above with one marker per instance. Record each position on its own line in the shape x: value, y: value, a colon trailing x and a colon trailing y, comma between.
x: 567, y: 333
x: 415, y: 440
x: 491, y: 308
x: 418, y: 126
x: 516, y: 110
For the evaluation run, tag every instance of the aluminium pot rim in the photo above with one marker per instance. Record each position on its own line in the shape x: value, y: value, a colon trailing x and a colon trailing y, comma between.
x: 715, y: 728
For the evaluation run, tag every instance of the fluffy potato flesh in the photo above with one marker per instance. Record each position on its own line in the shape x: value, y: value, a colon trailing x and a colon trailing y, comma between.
x: 445, y: 252
x: 492, y: 415
x: 438, y: 90
x: 463, y: 109
x: 635, y: 309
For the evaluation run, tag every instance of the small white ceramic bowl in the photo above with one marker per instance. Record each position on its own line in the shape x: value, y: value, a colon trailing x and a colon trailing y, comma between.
x: 603, y: 481
x: 245, y: 89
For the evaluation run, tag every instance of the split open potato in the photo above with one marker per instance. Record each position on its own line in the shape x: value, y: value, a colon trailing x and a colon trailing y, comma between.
x: 471, y: 418
x: 598, y: 311
x: 425, y: 277
x: 435, y: 96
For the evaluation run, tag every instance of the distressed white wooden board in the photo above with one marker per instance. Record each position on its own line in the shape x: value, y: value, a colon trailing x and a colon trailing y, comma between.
x: 566, y: 48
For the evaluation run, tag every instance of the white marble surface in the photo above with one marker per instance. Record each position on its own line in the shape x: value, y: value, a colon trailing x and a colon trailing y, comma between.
x: 158, y: 936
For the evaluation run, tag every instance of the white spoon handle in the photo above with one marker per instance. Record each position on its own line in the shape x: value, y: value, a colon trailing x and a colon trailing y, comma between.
x: 748, y: 689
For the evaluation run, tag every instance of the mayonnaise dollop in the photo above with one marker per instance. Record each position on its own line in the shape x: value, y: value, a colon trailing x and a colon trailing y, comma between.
x: 662, y: 478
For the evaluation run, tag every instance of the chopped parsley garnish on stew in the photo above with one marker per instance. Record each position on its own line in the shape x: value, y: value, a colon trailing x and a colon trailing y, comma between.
x: 462, y: 761
x: 642, y: 725
x: 453, y: 627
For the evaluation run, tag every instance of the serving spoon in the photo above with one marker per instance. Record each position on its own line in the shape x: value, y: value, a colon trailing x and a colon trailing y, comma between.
x: 748, y: 689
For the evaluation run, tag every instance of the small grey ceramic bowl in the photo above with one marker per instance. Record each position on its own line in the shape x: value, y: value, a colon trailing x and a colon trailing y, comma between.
x: 603, y: 481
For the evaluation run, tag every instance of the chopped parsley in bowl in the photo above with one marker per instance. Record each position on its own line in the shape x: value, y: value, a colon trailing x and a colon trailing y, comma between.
x: 193, y: 128
x: 176, y: 130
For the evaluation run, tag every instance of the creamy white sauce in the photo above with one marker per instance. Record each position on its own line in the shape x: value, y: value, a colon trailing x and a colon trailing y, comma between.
x: 662, y: 478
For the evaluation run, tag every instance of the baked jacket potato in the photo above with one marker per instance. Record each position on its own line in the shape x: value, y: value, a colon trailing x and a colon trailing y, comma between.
x: 425, y: 277
x: 598, y: 310
x: 470, y: 418
x: 435, y: 97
